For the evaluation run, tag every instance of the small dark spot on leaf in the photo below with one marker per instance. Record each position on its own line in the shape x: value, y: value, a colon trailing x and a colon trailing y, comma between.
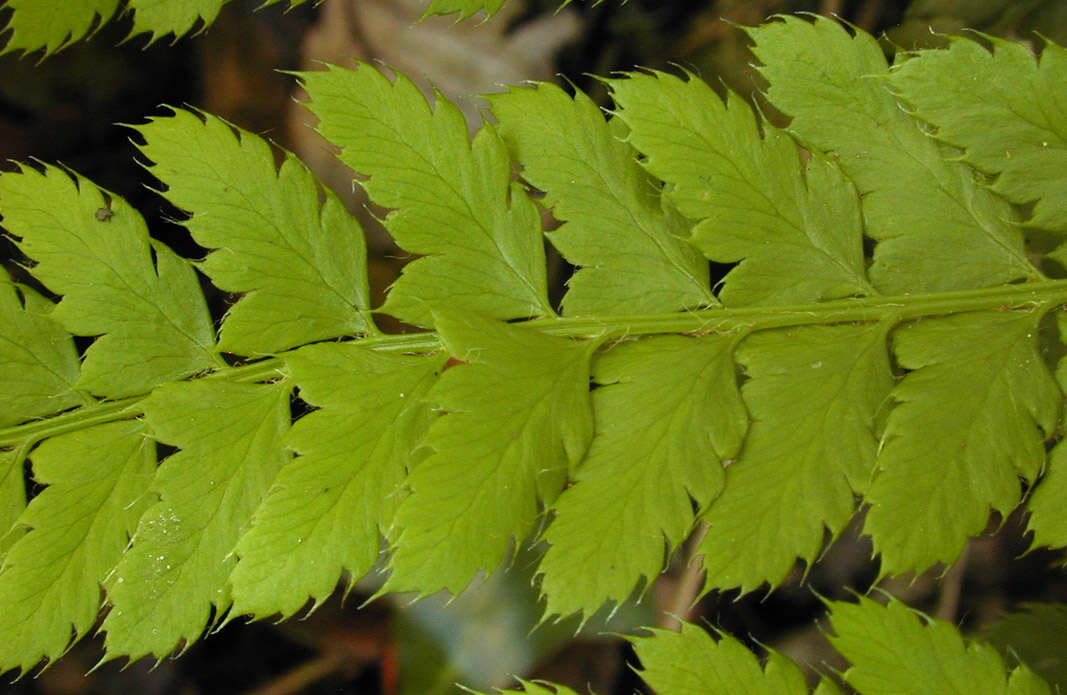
x: 104, y: 214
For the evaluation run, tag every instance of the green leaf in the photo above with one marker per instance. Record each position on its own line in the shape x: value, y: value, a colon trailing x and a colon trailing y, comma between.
x: 165, y: 587
x: 327, y: 508
x: 690, y: 662
x: 896, y: 651
x: 1023, y: 681
x: 517, y: 420
x: 1047, y: 520
x: 1036, y: 636
x: 97, y: 253
x: 37, y: 356
x: 456, y: 205
x: 79, y: 526
x: 12, y: 498
x: 465, y: 8
x: 1009, y: 115
x: 970, y: 420
x: 630, y: 248
x: 301, y: 265
x: 814, y: 393
x: 667, y: 414
x: 744, y: 190
x: 535, y: 688
x: 53, y: 26
x: 177, y: 17
x: 928, y: 213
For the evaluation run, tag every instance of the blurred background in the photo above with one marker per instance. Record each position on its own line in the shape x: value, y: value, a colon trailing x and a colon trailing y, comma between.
x: 67, y: 109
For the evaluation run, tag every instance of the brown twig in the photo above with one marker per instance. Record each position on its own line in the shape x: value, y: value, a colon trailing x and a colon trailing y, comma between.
x: 299, y: 678
x: 830, y: 8
x: 948, y: 601
x: 869, y: 15
x: 683, y: 599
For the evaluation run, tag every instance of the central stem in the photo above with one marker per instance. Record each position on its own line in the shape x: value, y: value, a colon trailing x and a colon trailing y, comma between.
x: 1032, y: 295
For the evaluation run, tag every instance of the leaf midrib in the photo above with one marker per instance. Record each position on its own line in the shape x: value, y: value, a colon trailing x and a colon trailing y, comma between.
x: 893, y: 309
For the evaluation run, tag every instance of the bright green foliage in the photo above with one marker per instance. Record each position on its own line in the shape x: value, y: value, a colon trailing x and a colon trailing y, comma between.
x: 744, y: 189
x: 917, y: 387
x: 161, y: 17
x: 163, y: 589
x: 927, y: 212
x: 301, y: 265
x: 1008, y: 115
x: 40, y: 367
x: 517, y: 422
x: 114, y: 280
x: 814, y: 396
x: 12, y: 498
x: 465, y: 8
x: 37, y: 357
x: 667, y: 415
x: 1047, y: 519
x: 617, y: 228
x: 328, y: 508
x: 892, y: 651
x: 49, y: 25
x: 970, y: 420
x: 1035, y: 636
x: 52, y: 25
x: 455, y: 202
x: 78, y: 528
x: 536, y: 688
x: 896, y: 651
x: 691, y: 662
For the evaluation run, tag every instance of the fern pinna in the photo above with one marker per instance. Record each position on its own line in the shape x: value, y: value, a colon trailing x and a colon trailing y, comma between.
x: 817, y: 377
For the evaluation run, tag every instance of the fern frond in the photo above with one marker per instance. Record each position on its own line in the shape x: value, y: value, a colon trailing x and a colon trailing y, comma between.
x: 327, y: 510
x: 1035, y: 636
x: 1047, y: 519
x: 37, y: 357
x: 745, y: 189
x: 175, y: 571
x: 691, y: 661
x: 535, y: 688
x: 137, y: 295
x: 301, y: 265
x: 927, y: 212
x: 617, y: 228
x: 1007, y: 117
x: 453, y: 200
x: 76, y: 530
x: 891, y: 650
x: 38, y: 24
x: 465, y: 8
x: 667, y: 415
x: 971, y: 419
x: 814, y: 394
x: 50, y: 26
x: 158, y: 18
x: 518, y: 422
x: 913, y: 381
x: 921, y: 655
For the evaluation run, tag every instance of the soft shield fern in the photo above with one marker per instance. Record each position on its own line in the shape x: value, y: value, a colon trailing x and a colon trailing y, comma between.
x: 49, y: 27
x: 813, y: 379
x: 890, y: 650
